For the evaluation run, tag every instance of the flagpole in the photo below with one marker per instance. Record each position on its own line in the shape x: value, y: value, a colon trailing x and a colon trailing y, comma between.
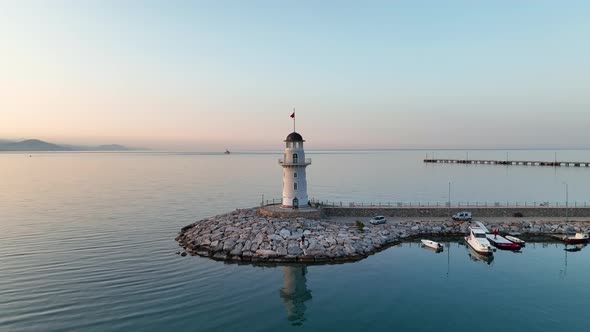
x: 294, y: 119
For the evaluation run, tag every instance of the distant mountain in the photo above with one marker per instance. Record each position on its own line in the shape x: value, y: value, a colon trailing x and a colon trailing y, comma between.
x: 112, y: 147
x: 38, y: 145
x: 31, y: 145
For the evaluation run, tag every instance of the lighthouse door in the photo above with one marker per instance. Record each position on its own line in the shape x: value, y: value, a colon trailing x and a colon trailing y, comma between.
x: 295, y: 203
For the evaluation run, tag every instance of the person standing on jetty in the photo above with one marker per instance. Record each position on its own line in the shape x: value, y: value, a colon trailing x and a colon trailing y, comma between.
x: 495, y: 233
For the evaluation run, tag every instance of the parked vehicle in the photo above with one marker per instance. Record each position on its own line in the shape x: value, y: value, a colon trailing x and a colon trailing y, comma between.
x: 463, y: 216
x: 378, y: 220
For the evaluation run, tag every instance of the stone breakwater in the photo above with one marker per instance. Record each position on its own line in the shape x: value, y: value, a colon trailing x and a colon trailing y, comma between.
x: 247, y: 236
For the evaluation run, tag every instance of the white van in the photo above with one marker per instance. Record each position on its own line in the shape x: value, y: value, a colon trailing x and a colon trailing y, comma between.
x: 463, y: 216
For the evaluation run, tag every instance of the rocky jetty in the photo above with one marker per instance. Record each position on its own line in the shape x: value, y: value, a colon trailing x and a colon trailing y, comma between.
x: 247, y: 236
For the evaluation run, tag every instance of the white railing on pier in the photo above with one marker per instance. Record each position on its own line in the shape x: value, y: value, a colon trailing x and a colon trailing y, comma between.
x: 459, y: 204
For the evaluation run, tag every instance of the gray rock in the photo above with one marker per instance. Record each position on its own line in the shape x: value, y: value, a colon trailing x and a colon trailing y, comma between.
x: 281, y: 250
x: 294, y: 249
x: 265, y: 253
x: 275, y: 237
x: 285, y: 233
x: 216, y: 236
x: 229, y: 244
x: 237, y: 250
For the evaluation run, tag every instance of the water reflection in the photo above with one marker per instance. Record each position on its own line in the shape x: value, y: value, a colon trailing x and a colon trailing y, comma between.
x: 477, y: 257
x: 575, y: 247
x: 295, y: 293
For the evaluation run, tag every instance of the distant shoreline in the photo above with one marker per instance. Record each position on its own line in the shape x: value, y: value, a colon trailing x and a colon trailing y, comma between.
x: 35, y: 145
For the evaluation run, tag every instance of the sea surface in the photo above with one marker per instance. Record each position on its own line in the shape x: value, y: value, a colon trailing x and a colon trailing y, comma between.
x: 87, y: 244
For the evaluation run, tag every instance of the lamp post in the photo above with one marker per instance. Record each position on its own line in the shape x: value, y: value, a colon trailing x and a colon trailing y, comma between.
x: 566, y: 201
x: 449, y: 196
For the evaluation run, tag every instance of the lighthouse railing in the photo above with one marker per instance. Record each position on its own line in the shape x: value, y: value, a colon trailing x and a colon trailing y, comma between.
x: 307, y: 161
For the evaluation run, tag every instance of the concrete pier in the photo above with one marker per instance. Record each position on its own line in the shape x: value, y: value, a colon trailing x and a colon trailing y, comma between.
x: 509, y: 162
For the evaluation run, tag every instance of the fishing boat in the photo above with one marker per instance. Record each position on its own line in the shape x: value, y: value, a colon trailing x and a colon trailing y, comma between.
x: 575, y: 239
x: 497, y: 240
x: 227, y: 151
x: 502, y: 243
x: 478, y: 241
x: 432, y: 244
x: 515, y: 240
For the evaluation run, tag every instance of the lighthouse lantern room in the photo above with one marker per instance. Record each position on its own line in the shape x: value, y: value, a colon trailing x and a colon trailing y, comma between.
x: 294, y: 179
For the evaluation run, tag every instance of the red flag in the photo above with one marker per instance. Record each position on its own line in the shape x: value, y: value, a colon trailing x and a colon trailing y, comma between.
x: 292, y: 115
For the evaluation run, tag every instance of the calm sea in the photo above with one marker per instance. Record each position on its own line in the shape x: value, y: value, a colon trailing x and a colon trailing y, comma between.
x: 87, y: 244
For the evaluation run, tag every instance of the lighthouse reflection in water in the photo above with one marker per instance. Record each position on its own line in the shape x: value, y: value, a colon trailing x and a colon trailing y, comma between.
x: 294, y: 293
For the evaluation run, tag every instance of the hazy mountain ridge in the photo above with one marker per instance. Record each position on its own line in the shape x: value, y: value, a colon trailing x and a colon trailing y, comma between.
x: 39, y: 145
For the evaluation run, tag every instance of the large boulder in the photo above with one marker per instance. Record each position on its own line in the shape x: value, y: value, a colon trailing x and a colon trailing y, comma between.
x: 265, y: 253
x: 285, y: 233
x: 229, y: 244
x: 294, y: 249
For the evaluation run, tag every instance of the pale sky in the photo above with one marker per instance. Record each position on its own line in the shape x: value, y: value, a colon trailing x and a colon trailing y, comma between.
x: 206, y: 75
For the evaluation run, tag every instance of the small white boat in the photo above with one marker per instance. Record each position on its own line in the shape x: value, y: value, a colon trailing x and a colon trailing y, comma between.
x: 515, y: 240
x: 432, y: 244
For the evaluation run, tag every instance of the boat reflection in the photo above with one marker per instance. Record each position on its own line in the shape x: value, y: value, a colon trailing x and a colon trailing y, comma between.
x: 477, y: 257
x: 295, y: 293
x: 437, y: 250
x: 576, y: 247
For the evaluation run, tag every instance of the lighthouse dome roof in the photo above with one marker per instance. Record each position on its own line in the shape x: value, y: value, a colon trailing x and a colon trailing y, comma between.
x: 294, y: 137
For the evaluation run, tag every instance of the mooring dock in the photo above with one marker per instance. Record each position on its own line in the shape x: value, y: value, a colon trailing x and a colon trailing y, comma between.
x: 509, y: 162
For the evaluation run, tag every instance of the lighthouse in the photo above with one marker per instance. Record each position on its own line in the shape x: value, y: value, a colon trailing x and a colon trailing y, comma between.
x: 294, y: 164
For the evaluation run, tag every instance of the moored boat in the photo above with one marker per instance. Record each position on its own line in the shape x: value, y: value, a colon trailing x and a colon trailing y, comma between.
x: 501, y: 242
x: 432, y: 244
x: 575, y: 239
x: 515, y: 240
x: 478, y: 241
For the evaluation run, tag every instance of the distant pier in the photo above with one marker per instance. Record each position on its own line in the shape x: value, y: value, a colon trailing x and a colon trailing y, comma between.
x: 509, y: 162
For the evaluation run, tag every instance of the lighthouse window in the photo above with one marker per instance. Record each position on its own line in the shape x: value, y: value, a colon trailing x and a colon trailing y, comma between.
x: 295, y: 158
x: 295, y: 185
x: 295, y: 174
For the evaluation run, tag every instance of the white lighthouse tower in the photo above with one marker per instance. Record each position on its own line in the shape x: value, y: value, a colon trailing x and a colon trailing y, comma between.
x: 294, y: 164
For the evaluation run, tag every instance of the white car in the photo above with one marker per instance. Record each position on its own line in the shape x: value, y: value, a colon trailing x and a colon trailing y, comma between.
x: 463, y: 216
x: 378, y: 220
